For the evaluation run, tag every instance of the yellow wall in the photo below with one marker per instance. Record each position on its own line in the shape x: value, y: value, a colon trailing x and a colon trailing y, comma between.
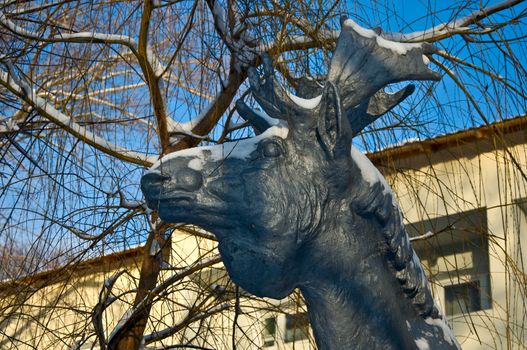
x: 471, y: 176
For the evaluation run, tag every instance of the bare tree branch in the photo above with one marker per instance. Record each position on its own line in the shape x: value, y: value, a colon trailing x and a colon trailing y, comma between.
x: 45, y: 108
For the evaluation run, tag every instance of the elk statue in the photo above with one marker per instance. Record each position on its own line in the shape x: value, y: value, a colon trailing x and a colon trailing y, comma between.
x: 298, y: 207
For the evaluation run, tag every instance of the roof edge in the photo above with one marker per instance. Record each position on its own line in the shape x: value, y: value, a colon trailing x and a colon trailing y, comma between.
x: 65, y: 271
x: 496, y: 129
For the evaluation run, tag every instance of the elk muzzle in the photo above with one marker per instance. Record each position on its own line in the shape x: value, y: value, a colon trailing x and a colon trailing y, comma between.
x: 171, y: 183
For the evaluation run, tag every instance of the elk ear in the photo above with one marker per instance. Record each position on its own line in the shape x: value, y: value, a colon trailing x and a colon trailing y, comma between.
x: 333, y: 130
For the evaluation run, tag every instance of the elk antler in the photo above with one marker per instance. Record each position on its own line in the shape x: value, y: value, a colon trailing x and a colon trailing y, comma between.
x: 273, y: 98
x: 364, y: 63
x: 365, y: 113
x: 270, y: 94
x: 380, y: 103
x: 259, y: 121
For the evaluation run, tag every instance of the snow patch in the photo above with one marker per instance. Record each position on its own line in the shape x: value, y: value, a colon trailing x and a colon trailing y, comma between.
x: 154, y: 248
x: 306, y: 103
x: 426, y: 60
x: 153, y: 171
x: 441, y: 324
x: 368, y: 171
x: 131, y: 203
x: 219, y: 16
x: 108, y: 283
x: 196, y: 164
x: 185, y: 128
x: 154, y: 62
x: 422, y: 344
x: 76, y: 345
x: 238, y: 149
x: 10, y: 125
x: 238, y: 39
x: 423, y: 236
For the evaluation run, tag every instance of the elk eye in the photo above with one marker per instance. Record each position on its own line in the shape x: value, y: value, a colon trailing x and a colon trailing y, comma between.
x: 271, y: 149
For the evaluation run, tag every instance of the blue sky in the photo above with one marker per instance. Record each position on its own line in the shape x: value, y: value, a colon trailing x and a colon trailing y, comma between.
x: 443, y: 107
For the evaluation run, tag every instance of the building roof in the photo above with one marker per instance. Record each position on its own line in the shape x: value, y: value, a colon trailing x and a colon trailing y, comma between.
x: 456, y: 139
x: 61, y: 273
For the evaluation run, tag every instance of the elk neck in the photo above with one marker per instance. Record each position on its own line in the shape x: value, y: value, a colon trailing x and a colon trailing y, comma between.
x: 349, y: 289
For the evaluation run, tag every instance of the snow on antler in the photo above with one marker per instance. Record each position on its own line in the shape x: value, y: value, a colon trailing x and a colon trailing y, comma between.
x: 364, y: 63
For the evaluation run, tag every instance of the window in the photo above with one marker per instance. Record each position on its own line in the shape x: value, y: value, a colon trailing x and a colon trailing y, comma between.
x: 296, y: 327
x: 462, y: 298
x: 269, y: 331
x: 456, y: 258
x: 519, y: 241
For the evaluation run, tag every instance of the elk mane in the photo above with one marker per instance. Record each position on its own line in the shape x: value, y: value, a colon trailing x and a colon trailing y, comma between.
x: 378, y: 204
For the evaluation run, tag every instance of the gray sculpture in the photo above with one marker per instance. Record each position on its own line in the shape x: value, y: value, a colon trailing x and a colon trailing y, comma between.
x: 298, y: 207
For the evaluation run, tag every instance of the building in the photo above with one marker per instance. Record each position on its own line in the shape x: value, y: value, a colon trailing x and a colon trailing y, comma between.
x: 464, y: 197
x: 468, y: 191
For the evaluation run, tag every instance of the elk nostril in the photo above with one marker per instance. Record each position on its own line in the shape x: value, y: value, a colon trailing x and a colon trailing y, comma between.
x: 154, y: 178
x: 189, y: 179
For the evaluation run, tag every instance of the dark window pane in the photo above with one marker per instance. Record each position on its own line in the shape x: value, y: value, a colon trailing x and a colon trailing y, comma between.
x: 296, y: 327
x: 269, y: 331
x: 462, y: 298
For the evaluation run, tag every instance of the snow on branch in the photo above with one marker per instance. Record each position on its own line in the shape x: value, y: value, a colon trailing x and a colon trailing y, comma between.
x: 45, y: 108
x: 177, y: 129
x: 7, y: 125
x: 458, y: 26
x: 129, y: 204
x: 427, y: 235
x: 234, y: 31
x: 436, y: 33
x: 88, y: 37
x: 81, y: 37
x: 157, y: 67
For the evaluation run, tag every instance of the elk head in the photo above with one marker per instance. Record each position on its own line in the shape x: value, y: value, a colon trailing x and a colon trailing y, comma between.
x: 268, y: 196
